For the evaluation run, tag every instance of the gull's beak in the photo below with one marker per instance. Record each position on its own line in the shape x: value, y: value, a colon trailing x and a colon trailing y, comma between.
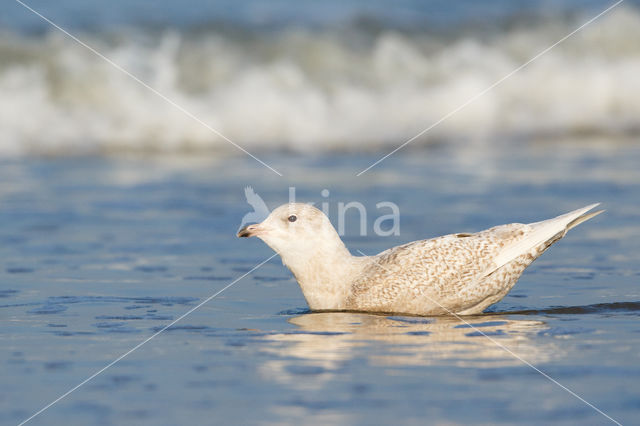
x: 250, y: 230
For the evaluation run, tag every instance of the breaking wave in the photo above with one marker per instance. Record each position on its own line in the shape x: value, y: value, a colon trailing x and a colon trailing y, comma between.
x: 316, y: 89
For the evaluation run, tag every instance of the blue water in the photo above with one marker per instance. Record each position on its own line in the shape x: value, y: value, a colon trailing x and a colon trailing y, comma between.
x: 194, y: 13
x: 98, y: 254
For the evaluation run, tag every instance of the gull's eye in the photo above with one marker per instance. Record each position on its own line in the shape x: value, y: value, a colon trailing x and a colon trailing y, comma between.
x: 293, y: 218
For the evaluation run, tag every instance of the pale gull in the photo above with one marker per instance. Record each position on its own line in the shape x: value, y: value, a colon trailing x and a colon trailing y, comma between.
x: 459, y: 274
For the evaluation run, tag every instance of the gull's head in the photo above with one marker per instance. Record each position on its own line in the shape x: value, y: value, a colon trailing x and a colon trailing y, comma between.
x: 294, y: 228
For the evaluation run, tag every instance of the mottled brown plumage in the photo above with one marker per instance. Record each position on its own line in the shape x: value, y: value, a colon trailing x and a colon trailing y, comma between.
x: 453, y: 274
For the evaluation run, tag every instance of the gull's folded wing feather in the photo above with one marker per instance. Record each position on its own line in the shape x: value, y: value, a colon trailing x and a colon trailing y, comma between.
x: 542, y: 232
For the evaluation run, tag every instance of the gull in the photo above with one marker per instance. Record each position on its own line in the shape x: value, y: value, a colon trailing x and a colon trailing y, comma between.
x: 459, y: 274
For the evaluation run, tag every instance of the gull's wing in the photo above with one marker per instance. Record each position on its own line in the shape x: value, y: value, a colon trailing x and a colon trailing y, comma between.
x: 436, y: 271
x: 454, y: 270
x: 457, y: 259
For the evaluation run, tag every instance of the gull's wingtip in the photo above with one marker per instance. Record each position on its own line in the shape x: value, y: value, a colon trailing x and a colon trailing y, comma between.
x: 578, y: 212
x: 584, y: 216
x: 594, y: 205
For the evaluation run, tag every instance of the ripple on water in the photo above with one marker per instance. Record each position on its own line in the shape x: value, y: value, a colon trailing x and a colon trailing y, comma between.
x: 295, y: 311
x: 269, y: 279
x: 486, y: 333
x: 119, y: 317
x: 151, y: 268
x: 97, y: 409
x: 73, y: 333
x: 239, y: 261
x: 305, y: 370
x: 57, y: 365
x: 108, y: 324
x: 185, y: 327
x: 119, y: 330
x: 166, y: 301
x: 565, y: 331
x: 19, y: 270
x: 160, y: 317
x: 150, y: 316
x: 119, y: 381
x: 207, y: 278
x: 48, y: 308
x: 8, y: 293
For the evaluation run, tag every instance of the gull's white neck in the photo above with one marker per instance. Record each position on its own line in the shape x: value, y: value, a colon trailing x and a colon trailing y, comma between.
x: 325, y: 273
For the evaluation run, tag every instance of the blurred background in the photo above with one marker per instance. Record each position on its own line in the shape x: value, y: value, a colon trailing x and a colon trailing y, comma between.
x: 308, y: 76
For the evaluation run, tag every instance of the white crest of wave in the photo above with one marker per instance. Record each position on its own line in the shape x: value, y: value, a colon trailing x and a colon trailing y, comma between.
x: 315, y: 90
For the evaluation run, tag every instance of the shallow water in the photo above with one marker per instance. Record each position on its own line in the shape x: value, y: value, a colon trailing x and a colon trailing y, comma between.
x: 98, y: 254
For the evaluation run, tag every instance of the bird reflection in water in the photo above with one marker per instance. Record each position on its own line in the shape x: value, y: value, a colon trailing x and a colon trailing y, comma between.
x: 325, y: 342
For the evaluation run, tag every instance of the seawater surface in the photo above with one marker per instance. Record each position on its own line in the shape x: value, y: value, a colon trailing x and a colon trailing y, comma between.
x: 312, y: 77
x: 98, y: 254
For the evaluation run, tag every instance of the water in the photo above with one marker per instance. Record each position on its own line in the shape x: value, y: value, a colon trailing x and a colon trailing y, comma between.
x: 100, y: 253
x: 352, y: 76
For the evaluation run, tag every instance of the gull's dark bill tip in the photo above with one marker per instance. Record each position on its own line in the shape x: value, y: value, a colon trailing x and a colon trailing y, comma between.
x: 245, y: 231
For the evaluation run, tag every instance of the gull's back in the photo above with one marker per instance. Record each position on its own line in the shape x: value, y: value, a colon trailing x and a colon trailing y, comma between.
x: 457, y: 273
x: 424, y: 277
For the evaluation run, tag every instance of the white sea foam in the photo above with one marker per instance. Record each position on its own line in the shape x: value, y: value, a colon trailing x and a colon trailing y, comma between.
x: 315, y: 90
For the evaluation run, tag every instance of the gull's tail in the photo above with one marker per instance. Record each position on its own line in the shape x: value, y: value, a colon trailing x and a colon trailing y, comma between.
x: 546, y: 232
